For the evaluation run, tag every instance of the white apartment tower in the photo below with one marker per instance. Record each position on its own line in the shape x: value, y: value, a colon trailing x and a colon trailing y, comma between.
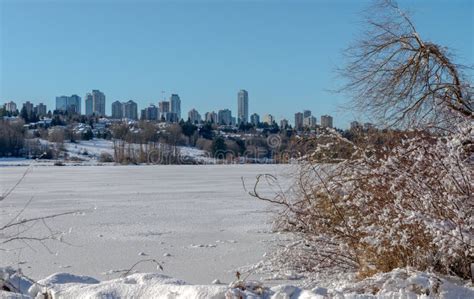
x: 95, y: 103
x: 10, y: 107
x: 243, y: 106
x: 326, y: 121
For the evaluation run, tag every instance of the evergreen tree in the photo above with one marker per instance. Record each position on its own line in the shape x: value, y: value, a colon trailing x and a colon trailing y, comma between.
x: 206, y: 131
x: 218, y: 146
x: 24, y: 115
x: 188, y: 128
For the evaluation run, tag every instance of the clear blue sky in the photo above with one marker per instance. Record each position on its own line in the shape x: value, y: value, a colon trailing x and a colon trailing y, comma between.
x: 283, y: 52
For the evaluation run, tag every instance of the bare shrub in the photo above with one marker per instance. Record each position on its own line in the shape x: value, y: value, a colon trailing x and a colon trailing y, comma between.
x: 11, y: 138
x: 57, y: 135
x: 204, y: 144
x: 105, y: 157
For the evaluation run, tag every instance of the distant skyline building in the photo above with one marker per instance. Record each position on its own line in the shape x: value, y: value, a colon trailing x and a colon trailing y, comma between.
x: 268, y: 119
x: 74, y: 104
x: 117, y: 110
x: 194, y: 116
x: 11, y: 107
x: 164, y: 107
x: 70, y: 104
x: 61, y: 103
x: 175, y: 103
x: 88, y: 100
x: 98, y: 102
x: 127, y: 110
x: 224, y: 117
x: 326, y: 121
x: 284, y: 123
x: 309, y: 122
x: 298, y: 121
x: 40, y: 109
x: 171, y: 117
x: 355, y: 125
x: 150, y: 113
x: 211, y: 117
x: 28, y: 107
x: 95, y: 103
x: 242, y: 106
x: 255, y: 119
x: 306, y: 113
x: 130, y: 110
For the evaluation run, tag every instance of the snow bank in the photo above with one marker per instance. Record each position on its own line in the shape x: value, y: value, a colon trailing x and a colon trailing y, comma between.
x: 400, y: 283
x: 403, y: 283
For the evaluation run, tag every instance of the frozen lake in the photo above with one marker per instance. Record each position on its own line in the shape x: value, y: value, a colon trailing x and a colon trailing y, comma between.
x: 200, y: 215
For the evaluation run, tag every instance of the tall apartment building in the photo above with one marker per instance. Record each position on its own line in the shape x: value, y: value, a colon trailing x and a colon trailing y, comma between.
x: 98, y: 102
x: 40, y: 109
x: 224, y: 117
x: 175, y: 103
x: 242, y: 106
x: 150, y: 113
x: 268, y: 119
x: 125, y: 110
x: 298, y: 121
x: 28, y: 107
x: 306, y: 113
x: 255, y: 119
x: 130, y: 110
x: 194, y: 116
x: 11, y: 107
x: 117, y: 110
x: 74, y: 104
x: 164, y: 107
x: 211, y: 117
x: 309, y: 122
x: 95, y: 103
x: 70, y: 104
x: 171, y: 117
x: 89, y: 104
x: 326, y: 121
x: 284, y: 123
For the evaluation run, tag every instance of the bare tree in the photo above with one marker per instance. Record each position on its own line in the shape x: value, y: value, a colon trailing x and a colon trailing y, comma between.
x: 400, y: 78
x: 406, y: 203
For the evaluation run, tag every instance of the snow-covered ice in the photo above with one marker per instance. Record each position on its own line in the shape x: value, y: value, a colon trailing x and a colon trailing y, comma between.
x: 174, y: 214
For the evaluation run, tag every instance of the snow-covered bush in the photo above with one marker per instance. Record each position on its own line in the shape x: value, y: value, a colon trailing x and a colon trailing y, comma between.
x: 406, y: 204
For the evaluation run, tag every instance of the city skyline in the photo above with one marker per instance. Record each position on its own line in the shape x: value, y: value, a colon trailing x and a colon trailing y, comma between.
x: 285, y: 53
x: 170, y: 111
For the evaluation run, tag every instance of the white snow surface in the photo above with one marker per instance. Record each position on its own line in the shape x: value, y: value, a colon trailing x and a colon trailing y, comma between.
x: 398, y: 284
x: 197, y: 221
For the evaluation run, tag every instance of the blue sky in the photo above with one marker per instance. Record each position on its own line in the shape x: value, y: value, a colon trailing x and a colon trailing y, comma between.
x: 283, y: 52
